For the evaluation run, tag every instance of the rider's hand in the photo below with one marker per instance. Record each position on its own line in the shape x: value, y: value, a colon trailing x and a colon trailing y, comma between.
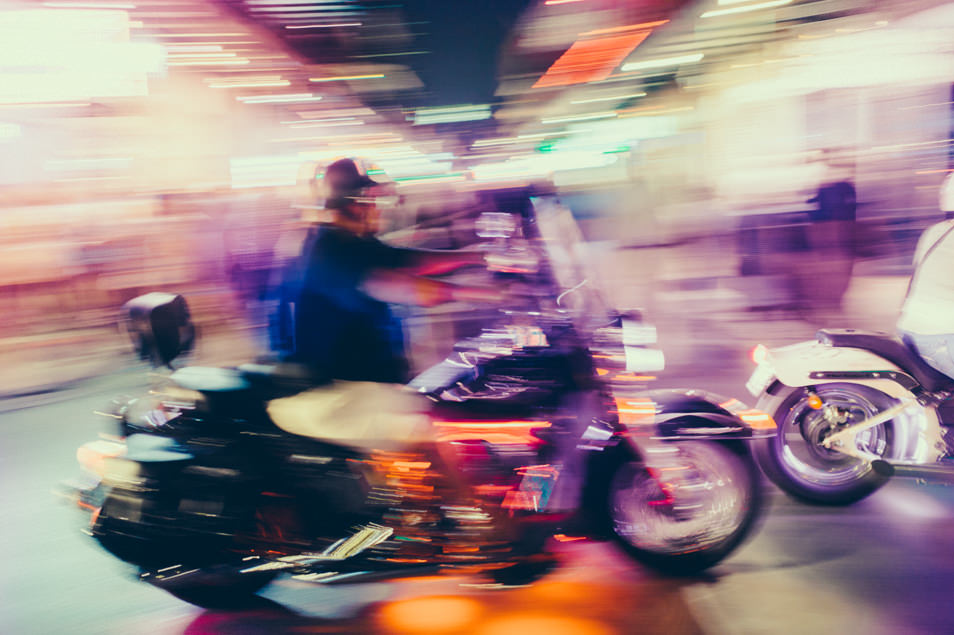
x: 513, y: 262
x: 479, y: 295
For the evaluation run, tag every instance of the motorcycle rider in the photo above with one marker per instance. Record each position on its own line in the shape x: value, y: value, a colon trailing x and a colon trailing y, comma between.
x: 927, y: 315
x: 343, y: 328
x: 346, y: 334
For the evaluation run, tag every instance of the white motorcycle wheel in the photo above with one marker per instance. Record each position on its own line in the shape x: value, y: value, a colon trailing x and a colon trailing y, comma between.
x: 684, y: 521
x: 797, y: 462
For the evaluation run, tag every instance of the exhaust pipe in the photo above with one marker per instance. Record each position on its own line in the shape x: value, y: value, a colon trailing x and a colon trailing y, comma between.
x: 932, y: 473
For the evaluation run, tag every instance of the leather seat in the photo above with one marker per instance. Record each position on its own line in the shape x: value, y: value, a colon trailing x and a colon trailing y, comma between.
x: 892, y: 349
x: 257, y: 381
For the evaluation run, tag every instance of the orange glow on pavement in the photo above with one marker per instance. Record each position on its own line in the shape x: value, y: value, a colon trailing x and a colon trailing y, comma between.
x: 526, y: 623
x: 431, y: 615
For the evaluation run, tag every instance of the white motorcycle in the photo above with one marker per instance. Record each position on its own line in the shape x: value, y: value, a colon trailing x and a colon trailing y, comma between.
x: 853, y: 408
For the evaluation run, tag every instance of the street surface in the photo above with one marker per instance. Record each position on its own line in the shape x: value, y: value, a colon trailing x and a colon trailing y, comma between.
x: 881, y: 566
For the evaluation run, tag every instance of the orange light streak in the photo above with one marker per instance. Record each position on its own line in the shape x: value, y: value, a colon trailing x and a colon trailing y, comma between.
x: 590, y: 60
x: 630, y: 27
x: 492, y: 424
x: 757, y: 419
x: 635, y: 411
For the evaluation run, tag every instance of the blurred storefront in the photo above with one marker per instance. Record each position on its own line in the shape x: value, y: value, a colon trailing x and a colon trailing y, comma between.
x: 139, y: 143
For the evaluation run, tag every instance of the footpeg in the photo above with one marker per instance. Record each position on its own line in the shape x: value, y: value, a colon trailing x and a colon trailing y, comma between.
x: 366, y: 537
x: 931, y: 473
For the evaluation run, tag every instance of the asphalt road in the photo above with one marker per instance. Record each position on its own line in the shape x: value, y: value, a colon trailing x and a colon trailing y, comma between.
x: 881, y: 566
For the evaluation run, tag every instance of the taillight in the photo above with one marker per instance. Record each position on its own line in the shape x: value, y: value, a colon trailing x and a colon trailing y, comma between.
x: 759, y: 354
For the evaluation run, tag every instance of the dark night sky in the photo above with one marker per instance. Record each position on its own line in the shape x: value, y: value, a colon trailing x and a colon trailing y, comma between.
x: 464, y: 37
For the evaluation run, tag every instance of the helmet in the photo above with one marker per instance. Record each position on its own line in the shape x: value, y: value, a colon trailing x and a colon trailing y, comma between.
x: 344, y: 182
x: 330, y: 186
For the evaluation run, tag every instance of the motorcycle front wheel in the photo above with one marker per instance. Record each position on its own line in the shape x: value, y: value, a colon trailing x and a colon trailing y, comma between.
x: 235, y: 592
x: 683, y: 519
x: 797, y: 462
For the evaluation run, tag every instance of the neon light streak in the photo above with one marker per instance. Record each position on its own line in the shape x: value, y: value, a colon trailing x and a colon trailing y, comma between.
x: 289, y: 98
x: 235, y: 62
x: 630, y: 27
x: 613, y: 98
x: 87, y: 5
x: 344, y: 78
x: 282, y: 82
x: 182, y: 35
x: 597, y: 115
x: 320, y: 26
x: 749, y: 7
x: 663, y: 62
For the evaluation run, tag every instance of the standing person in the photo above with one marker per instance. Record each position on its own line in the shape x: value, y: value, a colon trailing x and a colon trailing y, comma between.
x: 927, y: 315
x: 831, y: 235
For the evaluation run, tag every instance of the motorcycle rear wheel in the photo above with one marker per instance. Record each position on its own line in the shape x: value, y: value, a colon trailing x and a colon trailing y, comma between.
x: 799, y: 465
x: 662, y: 522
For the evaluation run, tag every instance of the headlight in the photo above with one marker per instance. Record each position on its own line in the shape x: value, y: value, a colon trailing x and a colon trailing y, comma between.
x: 642, y: 359
x: 156, y: 411
x: 149, y: 413
x: 121, y: 472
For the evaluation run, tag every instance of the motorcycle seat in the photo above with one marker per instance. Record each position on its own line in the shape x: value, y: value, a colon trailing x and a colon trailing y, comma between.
x: 206, y: 379
x: 266, y: 382
x: 891, y: 348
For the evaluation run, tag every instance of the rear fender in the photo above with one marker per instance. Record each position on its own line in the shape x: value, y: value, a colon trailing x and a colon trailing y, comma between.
x: 918, y: 435
x: 799, y: 365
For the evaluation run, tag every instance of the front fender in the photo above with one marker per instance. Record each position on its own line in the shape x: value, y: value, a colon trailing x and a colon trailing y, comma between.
x: 698, y: 414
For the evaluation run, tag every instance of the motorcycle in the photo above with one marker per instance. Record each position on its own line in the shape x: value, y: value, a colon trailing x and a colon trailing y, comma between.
x: 543, y: 429
x: 854, y: 408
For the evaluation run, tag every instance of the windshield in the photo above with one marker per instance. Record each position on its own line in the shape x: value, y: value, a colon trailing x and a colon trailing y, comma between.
x: 568, y: 257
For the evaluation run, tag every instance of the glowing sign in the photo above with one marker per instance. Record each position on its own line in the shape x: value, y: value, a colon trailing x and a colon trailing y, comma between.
x: 453, y: 114
x: 62, y: 55
x: 590, y: 60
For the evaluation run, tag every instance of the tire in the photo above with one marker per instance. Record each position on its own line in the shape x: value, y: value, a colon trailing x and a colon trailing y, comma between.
x: 225, y: 593
x: 647, y: 520
x: 524, y: 573
x: 212, y: 579
x: 795, y: 461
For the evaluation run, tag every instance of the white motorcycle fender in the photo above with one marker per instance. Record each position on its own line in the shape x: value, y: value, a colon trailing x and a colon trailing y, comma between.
x: 793, y: 366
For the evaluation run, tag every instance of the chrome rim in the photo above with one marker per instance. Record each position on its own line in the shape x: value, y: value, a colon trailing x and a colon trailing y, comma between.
x: 697, y: 502
x: 801, y: 432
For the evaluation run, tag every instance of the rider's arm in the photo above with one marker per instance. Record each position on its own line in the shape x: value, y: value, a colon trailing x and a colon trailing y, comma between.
x: 432, y: 262
x: 399, y: 287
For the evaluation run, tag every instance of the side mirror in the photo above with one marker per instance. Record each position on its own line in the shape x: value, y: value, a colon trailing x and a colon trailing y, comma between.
x: 160, y: 327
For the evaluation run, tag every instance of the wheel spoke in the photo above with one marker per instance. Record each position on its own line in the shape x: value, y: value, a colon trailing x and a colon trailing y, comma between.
x: 701, y: 506
x: 803, y: 429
